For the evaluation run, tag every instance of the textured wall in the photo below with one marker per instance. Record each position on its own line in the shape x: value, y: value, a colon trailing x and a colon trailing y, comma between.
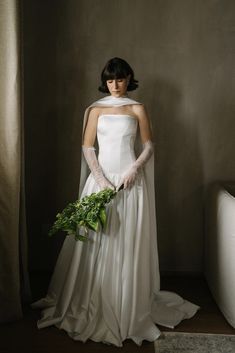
x: 183, y: 55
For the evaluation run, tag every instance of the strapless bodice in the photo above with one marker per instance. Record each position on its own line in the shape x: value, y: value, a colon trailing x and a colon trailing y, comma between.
x: 116, y: 135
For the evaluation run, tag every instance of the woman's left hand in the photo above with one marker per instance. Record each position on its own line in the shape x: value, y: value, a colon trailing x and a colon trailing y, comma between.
x: 129, y: 177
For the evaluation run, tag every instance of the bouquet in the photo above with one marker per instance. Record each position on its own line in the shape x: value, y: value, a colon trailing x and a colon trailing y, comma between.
x: 86, y: 213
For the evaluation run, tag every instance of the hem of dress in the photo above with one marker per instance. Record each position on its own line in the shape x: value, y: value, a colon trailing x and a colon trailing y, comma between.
x: 137, y: 340
x: 189, y: 316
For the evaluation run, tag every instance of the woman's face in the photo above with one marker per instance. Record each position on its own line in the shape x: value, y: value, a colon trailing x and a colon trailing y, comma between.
x: 118, y: 86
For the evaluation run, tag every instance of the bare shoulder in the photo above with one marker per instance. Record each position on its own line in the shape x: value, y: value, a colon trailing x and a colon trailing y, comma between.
x: 140, y: 111
x: 94, y: 112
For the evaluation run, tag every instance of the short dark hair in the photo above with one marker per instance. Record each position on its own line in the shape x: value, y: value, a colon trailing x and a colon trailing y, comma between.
x: 117, y: 68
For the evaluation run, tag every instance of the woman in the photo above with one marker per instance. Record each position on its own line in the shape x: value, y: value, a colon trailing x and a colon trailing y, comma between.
x: 108, y: 290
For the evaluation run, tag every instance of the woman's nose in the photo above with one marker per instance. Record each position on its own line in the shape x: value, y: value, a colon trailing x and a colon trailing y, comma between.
x: 115, y: 83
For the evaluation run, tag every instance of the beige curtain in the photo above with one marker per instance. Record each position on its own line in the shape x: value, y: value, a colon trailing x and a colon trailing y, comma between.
x: 14, y: 284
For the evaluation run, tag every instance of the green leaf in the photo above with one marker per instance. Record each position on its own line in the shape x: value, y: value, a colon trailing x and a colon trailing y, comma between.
x: 102, y: 216
x: 93, y: 225
x: 51, y: 232
x: 81, y: 237
x: 69, y: 232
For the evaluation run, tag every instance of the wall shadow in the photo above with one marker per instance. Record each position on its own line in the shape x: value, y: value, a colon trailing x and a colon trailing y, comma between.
x: 178, y: 177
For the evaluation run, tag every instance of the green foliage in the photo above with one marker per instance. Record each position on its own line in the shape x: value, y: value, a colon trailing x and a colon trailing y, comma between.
x: 87, y: 213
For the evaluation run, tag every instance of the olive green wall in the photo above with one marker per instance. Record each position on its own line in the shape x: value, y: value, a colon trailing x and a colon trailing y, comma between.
x: 183, y: 55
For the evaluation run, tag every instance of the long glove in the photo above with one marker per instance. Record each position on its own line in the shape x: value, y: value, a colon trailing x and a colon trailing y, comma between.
x: 95, y: 168
x: 130, y: 176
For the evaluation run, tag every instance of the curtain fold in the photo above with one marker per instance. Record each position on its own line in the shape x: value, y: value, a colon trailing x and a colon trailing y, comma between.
x: 14, y: 281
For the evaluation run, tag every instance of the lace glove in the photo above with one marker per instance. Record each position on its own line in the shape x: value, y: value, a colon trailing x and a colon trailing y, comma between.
x: 131, y: 175
x: 90, y: 156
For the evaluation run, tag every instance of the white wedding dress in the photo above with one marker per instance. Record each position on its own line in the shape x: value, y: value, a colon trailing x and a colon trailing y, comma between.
x: 108, y: 289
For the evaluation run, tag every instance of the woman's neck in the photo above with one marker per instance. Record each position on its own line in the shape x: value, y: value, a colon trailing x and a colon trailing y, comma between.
x: 123, y: 96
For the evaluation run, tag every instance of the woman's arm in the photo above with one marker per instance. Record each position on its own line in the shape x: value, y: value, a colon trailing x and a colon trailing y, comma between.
x: 89, y: 151
x: 146, y: 138
x: 91, y: 128
x: 144, y: 124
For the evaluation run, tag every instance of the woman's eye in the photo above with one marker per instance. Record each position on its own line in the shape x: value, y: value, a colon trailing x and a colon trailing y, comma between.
x: 111, y: 81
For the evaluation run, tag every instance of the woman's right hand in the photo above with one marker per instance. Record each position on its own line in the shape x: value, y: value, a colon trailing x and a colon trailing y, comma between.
x: 105, y: 183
